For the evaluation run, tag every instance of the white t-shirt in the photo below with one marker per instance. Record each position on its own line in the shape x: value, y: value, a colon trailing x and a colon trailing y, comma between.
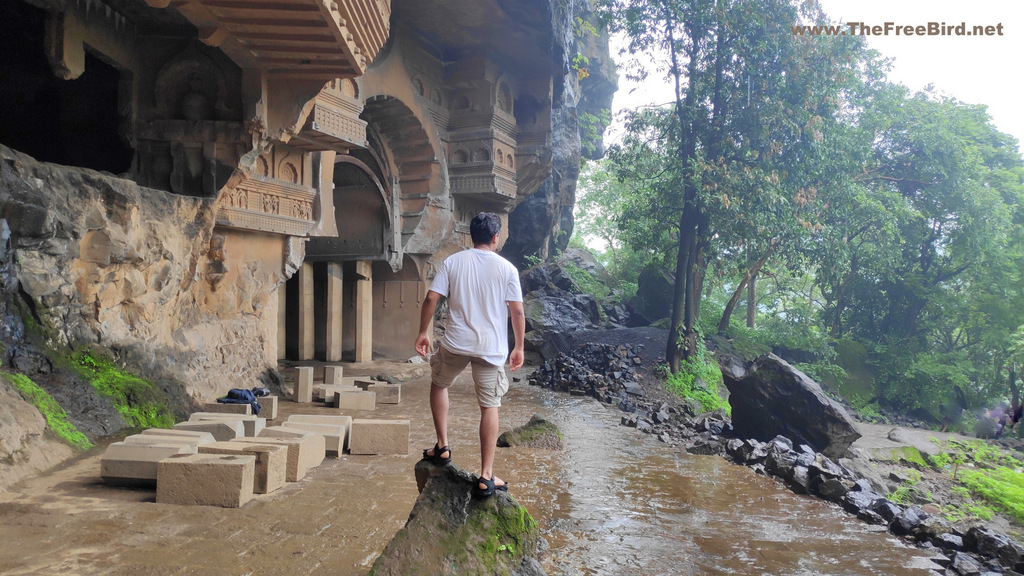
x: 478, y: 283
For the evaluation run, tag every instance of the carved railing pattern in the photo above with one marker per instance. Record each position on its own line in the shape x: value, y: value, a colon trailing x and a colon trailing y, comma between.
x: 268, y: 205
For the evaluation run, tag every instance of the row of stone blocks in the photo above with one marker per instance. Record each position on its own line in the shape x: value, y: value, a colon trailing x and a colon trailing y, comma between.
x: 193, y: 467
x: 345, y: 392
x: 268, y: 408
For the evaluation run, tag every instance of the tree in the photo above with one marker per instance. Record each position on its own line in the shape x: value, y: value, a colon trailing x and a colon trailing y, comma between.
x: 734, y: 159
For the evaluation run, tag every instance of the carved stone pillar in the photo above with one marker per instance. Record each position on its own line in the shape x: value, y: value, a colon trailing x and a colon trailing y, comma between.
x: 334, y: 317
x: 282, y: 322
x: 306, y: 309
x: 364, y: 311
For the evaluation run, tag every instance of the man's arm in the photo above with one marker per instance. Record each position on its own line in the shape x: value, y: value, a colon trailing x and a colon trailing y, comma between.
x: 515, y: 359
x: 426, y: 316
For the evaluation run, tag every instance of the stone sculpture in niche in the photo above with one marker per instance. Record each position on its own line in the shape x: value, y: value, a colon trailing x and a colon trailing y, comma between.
x: 216, y: 268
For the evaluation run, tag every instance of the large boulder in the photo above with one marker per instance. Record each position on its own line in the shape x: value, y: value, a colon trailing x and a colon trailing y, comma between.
x: 556, y: 311
x: 537, y: 433
x: 653, y: 299
x: 773, y: 398
x: 451, y: 532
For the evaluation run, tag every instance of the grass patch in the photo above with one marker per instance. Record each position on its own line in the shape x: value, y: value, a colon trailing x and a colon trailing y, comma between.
x: 1002, y: 488
x: 699, y: 379
x: 56, y: 418
x: 139, y: 402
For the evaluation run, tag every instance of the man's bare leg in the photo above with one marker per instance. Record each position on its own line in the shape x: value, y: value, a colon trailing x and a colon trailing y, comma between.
x: 488, y: 443
x: 439, y: 410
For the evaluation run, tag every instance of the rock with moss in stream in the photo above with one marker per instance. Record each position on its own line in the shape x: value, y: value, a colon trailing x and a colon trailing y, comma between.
x: 537, y: 433
x: 450, y: 532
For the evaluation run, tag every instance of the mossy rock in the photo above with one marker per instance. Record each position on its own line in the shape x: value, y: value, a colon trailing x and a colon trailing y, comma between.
x: 450, y: 532
x: 537, y: 433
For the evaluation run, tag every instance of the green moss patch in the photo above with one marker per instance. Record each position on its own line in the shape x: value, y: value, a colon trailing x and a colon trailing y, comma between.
x: 56, y: 418
x: 537, y: 433
x: 138, y: 401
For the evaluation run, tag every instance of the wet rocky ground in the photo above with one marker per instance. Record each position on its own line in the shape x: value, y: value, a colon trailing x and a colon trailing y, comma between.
x: 611, y: 502
x: 614, y: 366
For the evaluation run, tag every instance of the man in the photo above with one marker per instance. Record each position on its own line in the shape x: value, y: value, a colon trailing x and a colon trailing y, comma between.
x: 479, y: 285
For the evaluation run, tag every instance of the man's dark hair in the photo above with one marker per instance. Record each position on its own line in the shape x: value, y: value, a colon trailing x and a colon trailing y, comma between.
x: 483, y: 227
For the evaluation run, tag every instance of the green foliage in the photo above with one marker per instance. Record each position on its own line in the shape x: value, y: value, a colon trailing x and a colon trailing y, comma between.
x: 138, y: 401
x: 56, y: 418
x: 585, y: 281
x: 699, y: 378
x: 1001, y: 488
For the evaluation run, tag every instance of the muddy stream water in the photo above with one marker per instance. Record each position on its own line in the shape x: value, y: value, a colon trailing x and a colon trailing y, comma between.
x: 612, y: 502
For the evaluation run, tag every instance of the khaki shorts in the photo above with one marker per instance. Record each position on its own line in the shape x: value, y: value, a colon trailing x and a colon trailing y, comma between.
x: 490, y: 381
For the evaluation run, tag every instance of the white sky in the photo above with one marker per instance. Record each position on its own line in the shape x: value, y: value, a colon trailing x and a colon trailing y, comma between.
x: 978, y: 70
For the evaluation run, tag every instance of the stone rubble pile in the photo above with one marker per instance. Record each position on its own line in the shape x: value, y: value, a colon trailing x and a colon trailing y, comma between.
x: 606, y: 372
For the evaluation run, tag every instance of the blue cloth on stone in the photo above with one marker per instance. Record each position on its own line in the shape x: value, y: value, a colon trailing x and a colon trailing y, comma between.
x: 240, y: 396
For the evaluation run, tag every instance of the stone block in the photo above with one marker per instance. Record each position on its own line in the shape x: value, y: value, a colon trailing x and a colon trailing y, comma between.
x: 149, y: 439
x: 304, y: 384
x: 379, y: 437
x: 312, y: 442
x: 327, y: 392
x: 219, y: 408
x: 251, y: 424
x: 300, y: 454
x: 386, y: 393
x: 206, y: 480
x: 333, y: 374
x: 332, y: 419
x: 222, y: 430
x: 136, y: 463
x: 268, y: 407
x: 334, y: 435
x: 271, y: 462
x: 203, y: 437
x: 355, y: 400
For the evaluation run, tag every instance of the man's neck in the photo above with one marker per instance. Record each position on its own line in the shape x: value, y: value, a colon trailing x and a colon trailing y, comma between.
x: 486, y: 247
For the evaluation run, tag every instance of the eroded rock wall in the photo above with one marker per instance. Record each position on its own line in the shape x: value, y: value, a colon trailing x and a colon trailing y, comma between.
x: 585, y: 79
x: 97, y: 259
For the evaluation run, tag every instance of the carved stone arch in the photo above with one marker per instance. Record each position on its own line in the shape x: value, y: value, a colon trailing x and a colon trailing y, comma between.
x: 481, y: 155
x: 459, y: 156
x: 418, y: 87
x: 436, y: 97
x: 499, y: 156
x: 460, y: 102
x: 190, y: 84
x: 415, y: 158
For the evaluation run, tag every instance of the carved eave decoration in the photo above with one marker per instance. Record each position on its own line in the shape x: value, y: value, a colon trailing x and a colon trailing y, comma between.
x: 334, y: 123
x: 268, y: 204
x: 309, y: 39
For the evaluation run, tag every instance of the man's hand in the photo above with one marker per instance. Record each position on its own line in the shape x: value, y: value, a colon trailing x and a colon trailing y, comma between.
x: 515, y: 360
x: 423, y: 345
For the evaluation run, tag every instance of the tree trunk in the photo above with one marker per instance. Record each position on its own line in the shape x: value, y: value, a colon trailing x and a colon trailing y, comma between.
x: 723, y: 324
x: 751, y: 301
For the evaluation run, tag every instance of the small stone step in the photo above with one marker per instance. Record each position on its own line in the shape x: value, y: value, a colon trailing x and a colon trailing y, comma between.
x: 252, y: 425
x: 304, y: 384
x: 203, y: 437
x: 334, y: 435
x: 379, y: 437
x: 137, y: 463
x: 206, y: 480
x: 355, y: 400
x: 227, y: 408
x: 271, y: 462
x: 222, y: 430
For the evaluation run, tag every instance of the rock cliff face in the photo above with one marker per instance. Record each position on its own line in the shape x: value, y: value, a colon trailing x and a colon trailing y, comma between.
x: 94, y: 259
x: 542, y: 222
